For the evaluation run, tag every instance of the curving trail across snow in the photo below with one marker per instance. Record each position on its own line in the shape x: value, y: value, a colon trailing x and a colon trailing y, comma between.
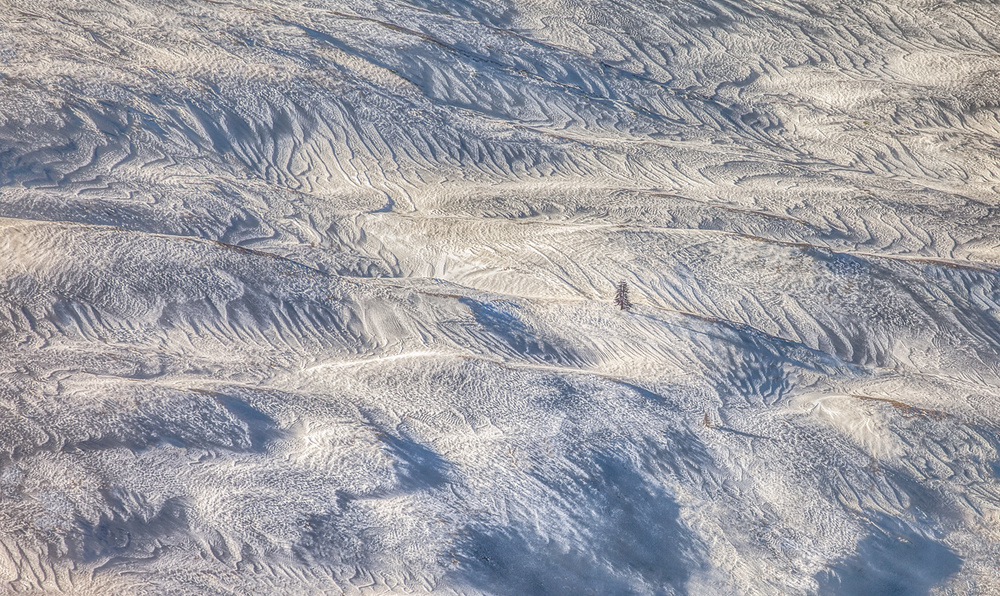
x: 317, y: 297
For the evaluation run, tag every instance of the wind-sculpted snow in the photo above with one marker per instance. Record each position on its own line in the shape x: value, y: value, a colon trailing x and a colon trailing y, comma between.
x: 318, y: 297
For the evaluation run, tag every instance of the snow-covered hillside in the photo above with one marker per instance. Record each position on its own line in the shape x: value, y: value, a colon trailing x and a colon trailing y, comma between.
x: 303, y: 297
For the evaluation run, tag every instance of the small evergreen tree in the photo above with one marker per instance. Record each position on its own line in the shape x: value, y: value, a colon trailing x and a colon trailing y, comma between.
x: 621, y: 297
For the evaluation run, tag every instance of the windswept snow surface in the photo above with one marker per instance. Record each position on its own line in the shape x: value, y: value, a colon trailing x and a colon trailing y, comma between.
x: 305, y: 297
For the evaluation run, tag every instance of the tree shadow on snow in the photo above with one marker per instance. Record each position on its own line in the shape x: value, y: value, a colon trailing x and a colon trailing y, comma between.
x: 345, y: 533
x: 132, y: 530
x: 627, y: 540
x: 418, y: 467
x: 894, y: 559
x: 503, y: 331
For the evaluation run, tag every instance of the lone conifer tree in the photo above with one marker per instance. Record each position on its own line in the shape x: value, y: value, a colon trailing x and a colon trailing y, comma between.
x: 621, y: 297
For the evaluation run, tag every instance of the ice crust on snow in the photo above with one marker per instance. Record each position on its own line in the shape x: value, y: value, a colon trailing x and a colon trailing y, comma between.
x: 318, y: 297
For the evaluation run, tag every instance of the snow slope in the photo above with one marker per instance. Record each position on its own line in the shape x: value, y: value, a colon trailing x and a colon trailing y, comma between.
x: 317, y: 297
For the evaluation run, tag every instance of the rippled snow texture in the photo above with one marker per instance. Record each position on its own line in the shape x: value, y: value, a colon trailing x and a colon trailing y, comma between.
x: 317, y: 297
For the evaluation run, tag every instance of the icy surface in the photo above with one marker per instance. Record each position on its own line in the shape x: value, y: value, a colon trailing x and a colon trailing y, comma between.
x: 317, y: 297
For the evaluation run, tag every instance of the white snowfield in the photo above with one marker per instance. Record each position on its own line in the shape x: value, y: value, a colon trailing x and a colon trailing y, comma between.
x: 317, y: 297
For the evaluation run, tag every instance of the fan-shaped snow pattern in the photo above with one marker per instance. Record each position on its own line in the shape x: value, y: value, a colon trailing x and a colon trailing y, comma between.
x: 316, y: 297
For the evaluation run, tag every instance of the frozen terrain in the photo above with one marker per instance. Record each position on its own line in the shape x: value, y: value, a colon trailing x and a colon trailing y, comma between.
x: 303, y: 297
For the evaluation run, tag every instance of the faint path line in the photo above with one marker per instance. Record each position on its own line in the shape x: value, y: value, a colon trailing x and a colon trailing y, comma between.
x: 981, y: 266
x: 373, y: 360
